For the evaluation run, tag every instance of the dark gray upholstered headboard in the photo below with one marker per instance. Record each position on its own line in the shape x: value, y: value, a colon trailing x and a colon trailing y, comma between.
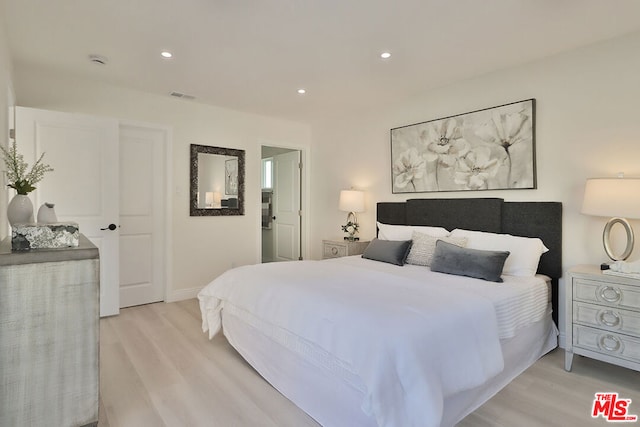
x: 527, y: 219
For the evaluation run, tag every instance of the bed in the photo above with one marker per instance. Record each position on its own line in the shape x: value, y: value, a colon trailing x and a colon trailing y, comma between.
x: 358, y: 342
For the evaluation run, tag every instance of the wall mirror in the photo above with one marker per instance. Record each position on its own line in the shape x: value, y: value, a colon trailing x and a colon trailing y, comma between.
x: 217, y: 181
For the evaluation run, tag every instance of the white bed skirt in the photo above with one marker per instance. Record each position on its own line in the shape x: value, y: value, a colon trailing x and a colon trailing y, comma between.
x: 331, y: 401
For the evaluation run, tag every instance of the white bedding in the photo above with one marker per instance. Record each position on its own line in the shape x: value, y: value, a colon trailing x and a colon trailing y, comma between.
x: 377, y: 324
x: 518, y: 301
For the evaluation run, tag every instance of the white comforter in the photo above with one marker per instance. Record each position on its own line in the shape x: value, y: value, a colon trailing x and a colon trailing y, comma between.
x: 410, y: 344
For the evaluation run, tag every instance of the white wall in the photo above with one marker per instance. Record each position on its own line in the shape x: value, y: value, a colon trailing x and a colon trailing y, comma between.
x: 203, y: 247
x: 588, y: 125
x: 6, y: 100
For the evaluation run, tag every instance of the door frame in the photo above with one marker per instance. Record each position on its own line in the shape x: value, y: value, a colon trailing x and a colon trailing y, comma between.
x: 5, y: 230
x: 304, y: 197
x: 168, y: 199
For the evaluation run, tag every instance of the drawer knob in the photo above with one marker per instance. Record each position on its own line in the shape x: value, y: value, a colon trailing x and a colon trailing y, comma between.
x: 609, y: 318
x: 610, y: 342
x: 610, y: 294
x: 334, y: 251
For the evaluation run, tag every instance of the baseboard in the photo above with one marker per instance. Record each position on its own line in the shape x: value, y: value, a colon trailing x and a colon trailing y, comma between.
x: 182, y: 294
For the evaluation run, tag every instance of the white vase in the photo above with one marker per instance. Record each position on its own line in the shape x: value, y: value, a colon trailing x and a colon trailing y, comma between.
x: 20, y: 210
x: 46, y: 214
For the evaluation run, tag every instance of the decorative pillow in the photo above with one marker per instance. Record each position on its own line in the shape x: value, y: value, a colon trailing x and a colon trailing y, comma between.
x: 404, y: 232
x: 424, y: 245
x: 451, y: 259
x: 391, y: 251
x: 525, y: 251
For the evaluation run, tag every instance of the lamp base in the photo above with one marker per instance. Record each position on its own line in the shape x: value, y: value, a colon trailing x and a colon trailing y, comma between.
x: 606, y: 239
x: 605, y: 266
x: 351, y: 239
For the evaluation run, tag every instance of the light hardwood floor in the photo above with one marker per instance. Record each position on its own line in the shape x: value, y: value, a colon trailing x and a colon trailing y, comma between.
x: 158, y: 369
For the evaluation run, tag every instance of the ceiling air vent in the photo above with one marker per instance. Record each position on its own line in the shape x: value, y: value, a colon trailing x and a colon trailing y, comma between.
x: 98, y: 59
x: 182, y: 95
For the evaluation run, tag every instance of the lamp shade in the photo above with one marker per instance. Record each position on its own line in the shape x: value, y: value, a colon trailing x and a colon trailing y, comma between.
x: 208, y: 199
x: 217, y: 199
x: 351, y: 201
x: 612, y: 197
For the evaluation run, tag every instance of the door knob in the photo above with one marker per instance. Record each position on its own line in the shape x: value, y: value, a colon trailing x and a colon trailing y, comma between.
x: 110, y: 227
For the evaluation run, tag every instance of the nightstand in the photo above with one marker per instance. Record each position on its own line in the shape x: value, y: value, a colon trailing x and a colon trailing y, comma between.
x: 603, y: 317
x: 340, y: 248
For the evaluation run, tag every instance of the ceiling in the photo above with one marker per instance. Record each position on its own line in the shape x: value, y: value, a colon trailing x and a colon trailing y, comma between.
x: 253, y: 55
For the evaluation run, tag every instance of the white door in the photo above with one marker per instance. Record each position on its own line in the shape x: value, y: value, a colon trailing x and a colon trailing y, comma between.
x: 83, y: 152
x: 141, y: 215
x: 286, y: 206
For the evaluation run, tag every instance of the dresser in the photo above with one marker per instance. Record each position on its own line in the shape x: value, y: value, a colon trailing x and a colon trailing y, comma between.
x: 49, y: 327
x: 339, y: 248
x: 603, y: 317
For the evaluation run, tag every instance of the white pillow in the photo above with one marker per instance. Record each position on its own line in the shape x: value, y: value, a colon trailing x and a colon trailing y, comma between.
x: 424, y: 245
x: 404, y: 232
x: 525, y: 251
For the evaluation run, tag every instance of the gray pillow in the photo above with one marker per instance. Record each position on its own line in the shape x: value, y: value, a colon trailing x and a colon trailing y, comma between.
x: 391, y: 251
x: 452, y: 259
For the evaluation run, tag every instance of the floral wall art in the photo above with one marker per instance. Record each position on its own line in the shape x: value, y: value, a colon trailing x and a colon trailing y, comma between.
x: 231, y: 177
x: 490, y: 149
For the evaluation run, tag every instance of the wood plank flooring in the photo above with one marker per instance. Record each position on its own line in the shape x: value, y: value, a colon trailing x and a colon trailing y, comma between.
x: 158, y: 369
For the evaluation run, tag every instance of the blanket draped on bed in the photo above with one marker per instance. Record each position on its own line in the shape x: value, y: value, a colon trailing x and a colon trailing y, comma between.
x: 411, y: 344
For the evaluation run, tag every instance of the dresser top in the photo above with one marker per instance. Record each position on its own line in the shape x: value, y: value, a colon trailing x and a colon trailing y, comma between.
x: 585, y: 269
x: 594, y: 272
x: 85, y: 250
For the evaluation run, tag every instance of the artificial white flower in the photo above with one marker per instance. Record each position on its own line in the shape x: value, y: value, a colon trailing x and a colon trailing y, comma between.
x: 16, y: 168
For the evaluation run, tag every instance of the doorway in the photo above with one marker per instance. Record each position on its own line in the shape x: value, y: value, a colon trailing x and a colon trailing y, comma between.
x: 282, y: 201
x: 110, y: 178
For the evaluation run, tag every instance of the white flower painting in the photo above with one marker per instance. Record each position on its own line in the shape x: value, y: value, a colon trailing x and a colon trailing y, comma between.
x: 490, y: 149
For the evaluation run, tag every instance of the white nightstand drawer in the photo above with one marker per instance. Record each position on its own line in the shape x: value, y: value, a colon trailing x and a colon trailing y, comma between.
x: 611, y: 319
x: 334, y: 250
x: 607, y: 293
x: 340, y: 248
x: 604, y: 342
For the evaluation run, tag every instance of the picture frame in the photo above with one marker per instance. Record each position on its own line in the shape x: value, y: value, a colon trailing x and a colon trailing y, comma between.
x: 487, y: 149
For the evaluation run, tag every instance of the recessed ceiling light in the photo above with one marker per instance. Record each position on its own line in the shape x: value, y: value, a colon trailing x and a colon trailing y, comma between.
x: 166, y: 54
x: 302, y: 91
x: 385, y: 55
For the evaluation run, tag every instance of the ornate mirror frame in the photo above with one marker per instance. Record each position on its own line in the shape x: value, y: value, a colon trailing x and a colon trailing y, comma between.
x: 194, y: 210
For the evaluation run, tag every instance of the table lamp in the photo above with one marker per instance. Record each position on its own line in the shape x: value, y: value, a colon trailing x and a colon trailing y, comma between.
x: 208, y: 199
x: 217, y: 199
x: 351, y: 201
x: 616, y: 198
